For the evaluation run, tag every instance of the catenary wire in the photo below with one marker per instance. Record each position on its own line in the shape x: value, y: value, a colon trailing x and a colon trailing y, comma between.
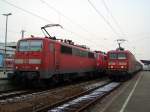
x: 60, y: 13
x: 69, y: 19
x: 44, y: 19
x: 100, y: 14
x: 113, y: 18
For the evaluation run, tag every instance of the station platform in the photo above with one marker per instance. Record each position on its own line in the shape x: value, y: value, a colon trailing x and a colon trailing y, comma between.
x: 132, y: 96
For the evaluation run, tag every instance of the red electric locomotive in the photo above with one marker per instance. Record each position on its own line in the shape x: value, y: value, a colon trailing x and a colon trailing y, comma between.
x: 122, y: 64
x: 48, y: 58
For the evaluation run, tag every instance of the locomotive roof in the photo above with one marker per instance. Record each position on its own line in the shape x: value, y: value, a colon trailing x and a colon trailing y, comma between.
x: 119, y: 51
x: 57, y: 41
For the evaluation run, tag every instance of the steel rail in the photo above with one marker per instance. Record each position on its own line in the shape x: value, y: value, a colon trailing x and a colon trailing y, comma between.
x: 62, y: 102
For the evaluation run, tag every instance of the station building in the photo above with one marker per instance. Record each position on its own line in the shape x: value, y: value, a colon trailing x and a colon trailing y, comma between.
x: 10, y: 51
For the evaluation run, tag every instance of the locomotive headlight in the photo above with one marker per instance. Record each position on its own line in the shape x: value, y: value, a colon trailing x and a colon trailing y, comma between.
x: 122, y: 66
x: 111, y: 67
x: 16, y: 67
x: 36, y: 68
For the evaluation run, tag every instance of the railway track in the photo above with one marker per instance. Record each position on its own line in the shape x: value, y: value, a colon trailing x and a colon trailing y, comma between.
x: 80, y: 101
x: 10, y: 97
x: 20, y: 95
x: 37, y: 101
x: 12, y: 94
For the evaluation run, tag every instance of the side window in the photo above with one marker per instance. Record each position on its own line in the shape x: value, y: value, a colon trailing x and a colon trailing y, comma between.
x: 66, y: 50
x: 83, y: 53
x: 75, y: 51
x: 91, y: 55
x: 51, y: 47
x: 78, y: 52
x: 96, y: 55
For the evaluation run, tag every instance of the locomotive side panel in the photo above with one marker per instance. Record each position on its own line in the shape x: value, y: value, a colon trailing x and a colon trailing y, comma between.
x: 76, y: 60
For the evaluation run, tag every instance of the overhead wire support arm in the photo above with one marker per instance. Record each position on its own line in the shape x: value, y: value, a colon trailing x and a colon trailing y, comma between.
x: 51, y: 25
x: 120, y: 41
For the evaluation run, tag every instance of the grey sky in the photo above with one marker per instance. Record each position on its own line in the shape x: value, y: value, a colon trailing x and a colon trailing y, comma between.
x: 81, y: 22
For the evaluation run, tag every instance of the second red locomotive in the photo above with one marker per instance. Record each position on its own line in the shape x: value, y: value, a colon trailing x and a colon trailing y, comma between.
x: 122, y: 64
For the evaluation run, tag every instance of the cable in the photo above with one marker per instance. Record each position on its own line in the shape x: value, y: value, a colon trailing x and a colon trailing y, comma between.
x: 37, y: 16
x: 31, y: 13
x: 115, y: 21
x: 73, y: 22
x: 99, y: 13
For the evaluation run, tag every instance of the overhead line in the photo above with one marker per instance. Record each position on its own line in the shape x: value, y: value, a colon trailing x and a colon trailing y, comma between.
x: 35, y: 15
x: 114, y: 19
x: 101, y: 15
x: 73, y: 22
x: 43, y: 1
x: 31, y: 13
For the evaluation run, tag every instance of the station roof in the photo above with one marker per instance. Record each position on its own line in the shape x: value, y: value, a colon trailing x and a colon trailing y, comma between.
x: 145, y: 62
x: 12, y: 45
x: 9, y: 45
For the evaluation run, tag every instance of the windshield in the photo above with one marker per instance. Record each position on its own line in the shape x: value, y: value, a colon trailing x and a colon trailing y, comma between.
x: 30, y: 45
x: 117, y: 56
x: 113, y: 56
x: 122, y: 56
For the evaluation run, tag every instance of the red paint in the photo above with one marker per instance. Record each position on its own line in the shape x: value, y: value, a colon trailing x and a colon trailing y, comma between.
x: 128, y: 65
x: 54, y: 61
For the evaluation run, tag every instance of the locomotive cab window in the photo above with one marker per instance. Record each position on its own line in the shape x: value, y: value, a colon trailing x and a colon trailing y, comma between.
x: 122, y: 56
x: 113, y: 56
x: 23, y: 45
x: 35, y: 45
x: 30, y: 45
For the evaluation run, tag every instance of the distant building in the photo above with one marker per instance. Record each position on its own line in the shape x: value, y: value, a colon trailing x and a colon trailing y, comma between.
x: 10, y: 51
x: 146, y: 64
